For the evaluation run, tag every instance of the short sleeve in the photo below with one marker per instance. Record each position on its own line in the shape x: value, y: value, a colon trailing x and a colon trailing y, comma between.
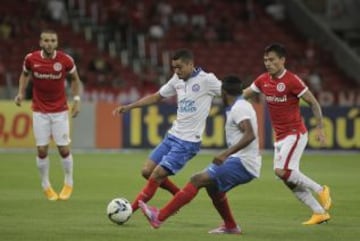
x: 69, y: 64
x: 241, y: 111
x: 298, y: 87
x: 214, y: 85
x: 256, y: 85
x: 168, y: 89
x: 27, y: 64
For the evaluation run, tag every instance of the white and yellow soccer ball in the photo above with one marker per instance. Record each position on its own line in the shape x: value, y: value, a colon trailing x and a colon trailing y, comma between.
x: 119, y: 210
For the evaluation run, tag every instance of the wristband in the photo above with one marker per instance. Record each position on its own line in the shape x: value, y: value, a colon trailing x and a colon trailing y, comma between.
x: 76, y: 98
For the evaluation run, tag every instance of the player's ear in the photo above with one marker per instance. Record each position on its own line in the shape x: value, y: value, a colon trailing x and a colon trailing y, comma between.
x: 283, y: 59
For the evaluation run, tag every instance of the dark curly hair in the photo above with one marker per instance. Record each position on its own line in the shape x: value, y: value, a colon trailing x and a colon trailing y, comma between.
x: 233, y: 85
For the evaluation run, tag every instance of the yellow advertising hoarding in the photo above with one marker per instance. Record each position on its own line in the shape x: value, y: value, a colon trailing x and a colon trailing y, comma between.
x: 16, y: 125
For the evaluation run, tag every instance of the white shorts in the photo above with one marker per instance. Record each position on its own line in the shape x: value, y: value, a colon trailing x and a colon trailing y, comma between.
x: 51, y: 125
x: 289, y: 150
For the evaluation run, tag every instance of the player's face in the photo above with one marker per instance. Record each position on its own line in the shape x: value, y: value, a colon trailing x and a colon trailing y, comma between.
x: 183, y: 69
x: 273, y: 63
x: 48, y: 43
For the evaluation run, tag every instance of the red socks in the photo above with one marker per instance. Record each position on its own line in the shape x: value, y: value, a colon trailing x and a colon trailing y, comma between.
x: 181, y: 198
x: 146, y: 193
x: 169, y: 186
x: 149, y: 190
x: 222, y: 206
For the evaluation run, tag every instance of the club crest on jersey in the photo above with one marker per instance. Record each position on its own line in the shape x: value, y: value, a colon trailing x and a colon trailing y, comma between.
x: 280, y: 87
x: 196, y: 87
x: 57, y: 66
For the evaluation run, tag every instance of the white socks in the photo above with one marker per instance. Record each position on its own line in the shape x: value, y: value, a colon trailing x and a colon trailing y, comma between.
x: 43, y: 166
x: 306, y: 197
x: 299, y: 179
x: 68, y: 169
x: 304, y: 186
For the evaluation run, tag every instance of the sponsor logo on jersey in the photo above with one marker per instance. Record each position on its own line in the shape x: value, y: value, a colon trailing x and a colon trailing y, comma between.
x: 186, y: 106
x: 47, y: 76
x: 278, y: 99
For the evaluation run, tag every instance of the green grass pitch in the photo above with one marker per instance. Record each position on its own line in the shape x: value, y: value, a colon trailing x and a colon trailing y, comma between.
x: 265, y: 209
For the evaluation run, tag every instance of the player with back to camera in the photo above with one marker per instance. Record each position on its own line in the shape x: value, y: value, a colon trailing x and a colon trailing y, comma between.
x: 239, y: 164
x: 48, y: 68
x: 283, y: 90
x: 195, y: 90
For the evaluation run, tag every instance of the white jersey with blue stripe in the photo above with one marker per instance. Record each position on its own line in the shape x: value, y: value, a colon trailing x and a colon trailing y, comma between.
x: 194, y: 98
x: 250, y: 155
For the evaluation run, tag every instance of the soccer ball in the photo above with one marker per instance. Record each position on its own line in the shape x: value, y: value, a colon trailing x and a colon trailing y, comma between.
x: 119, y: 210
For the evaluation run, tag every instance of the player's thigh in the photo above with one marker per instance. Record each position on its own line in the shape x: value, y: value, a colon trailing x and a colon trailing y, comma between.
x: 41, y: 128
x: 180, y: 153
x: 155, y: 157
x: 148, y: 168
x: 230, y: 174
x: 60, y: 128
x: 159, y: 152
x: 288, y: 152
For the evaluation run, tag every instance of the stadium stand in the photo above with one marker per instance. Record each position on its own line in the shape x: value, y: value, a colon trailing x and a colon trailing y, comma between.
x: 135, y: 38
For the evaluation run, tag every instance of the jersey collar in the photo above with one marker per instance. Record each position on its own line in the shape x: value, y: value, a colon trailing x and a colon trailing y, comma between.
x: 228, y: 108
x: 43, y: 56
x: 280, y: 76
x: 195, y: 72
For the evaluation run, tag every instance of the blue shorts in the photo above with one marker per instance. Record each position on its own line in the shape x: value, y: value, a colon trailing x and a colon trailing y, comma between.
x: 173, y: 153
x: 230, y: 174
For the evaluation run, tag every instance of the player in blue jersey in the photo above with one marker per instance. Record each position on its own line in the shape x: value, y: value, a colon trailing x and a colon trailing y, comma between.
x: 195, y: 90
x: 239, y: 164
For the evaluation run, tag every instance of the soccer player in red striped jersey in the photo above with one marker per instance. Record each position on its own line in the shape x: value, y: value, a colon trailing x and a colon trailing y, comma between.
x: 283, y: 90
x: 47, y: 68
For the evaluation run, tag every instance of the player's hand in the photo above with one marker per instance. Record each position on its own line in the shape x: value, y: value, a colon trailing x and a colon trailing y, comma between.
x: 220, y: 158
x: 18, y: 99
x: 120, y: 109
x: 320, y: 136
x: 75, y: 108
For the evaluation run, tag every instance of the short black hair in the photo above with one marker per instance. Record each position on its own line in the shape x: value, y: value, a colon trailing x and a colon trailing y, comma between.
x: 51, y: 31
x: 233, y: 85
x: 278, y: 48
x: 183, y: 54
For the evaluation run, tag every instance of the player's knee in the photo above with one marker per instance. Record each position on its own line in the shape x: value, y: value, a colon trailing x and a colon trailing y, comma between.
x: 198, y: 180
x: 282, y: 173
x: 148, y: 168
x: 42, y: 152
x: 145, y: 172
x: 278, y: 172
x: 64, y: 151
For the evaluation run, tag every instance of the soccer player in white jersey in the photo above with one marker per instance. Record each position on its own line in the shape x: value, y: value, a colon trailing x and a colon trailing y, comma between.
x: 239, y: 164
x: 195, y: 90
x: 48, y: 68
x: 283, y: 90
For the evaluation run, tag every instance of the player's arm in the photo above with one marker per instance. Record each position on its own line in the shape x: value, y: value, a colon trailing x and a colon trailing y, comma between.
x: 147, y: 100
x: 310, y: 99
x: 249, y: 93
x: 23, y: 82
x: 75, y: 91
x: 248, y: 136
